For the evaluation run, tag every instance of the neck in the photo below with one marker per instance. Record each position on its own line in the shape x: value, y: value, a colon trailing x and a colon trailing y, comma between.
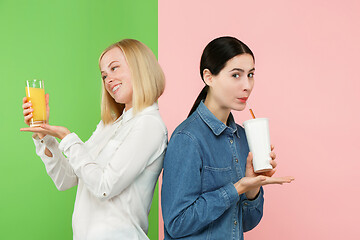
x: 128, y: 106
x: 220, y: 113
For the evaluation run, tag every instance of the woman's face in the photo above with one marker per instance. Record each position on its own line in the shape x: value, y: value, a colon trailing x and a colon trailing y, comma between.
x: 234, y: 83
x: 116, y: 75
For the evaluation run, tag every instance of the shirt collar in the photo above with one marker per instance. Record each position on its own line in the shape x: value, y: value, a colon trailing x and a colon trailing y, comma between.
x: 128, y: 115
x: 216, y: 126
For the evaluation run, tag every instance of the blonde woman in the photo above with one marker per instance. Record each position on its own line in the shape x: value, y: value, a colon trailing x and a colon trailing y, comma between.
x: 117, y: 168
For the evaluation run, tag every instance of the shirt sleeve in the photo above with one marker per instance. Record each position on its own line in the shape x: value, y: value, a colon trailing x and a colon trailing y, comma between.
x: 252, y: 210
x: 146, y: 141
x: 185, y: 208
x: 57, y: 166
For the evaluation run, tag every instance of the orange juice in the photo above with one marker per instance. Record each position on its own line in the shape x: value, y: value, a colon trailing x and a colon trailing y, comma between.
x: 37, y: 97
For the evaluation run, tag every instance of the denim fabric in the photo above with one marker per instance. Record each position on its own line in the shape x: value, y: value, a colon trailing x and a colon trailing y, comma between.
x: 203, y: 160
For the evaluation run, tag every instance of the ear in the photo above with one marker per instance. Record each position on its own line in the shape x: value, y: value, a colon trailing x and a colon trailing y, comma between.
x: 208, y: 77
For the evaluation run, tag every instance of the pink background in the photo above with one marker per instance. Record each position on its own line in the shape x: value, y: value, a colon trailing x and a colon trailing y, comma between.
x: 306, y: 83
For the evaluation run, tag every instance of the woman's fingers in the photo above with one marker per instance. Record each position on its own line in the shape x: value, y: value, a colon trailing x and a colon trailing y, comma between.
x: 56, y: 131
x: 249, y: 158
x: 47, y: 107
x: 26, y: 105
x: 246, y: 184
x: 273, y: 163
x: 47, y: 100
x: 278, y: 180
x: 33, y: 129
x: 27, y: 111
x: 28, y: 117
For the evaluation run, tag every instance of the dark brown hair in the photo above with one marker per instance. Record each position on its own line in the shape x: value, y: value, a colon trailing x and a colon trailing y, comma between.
x: 214, y: 58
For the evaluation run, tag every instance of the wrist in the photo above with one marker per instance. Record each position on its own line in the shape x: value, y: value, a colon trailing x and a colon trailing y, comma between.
x: 64, y: 135
x: 253, y: 193
x: 239, y: 188
x: 40, y: 135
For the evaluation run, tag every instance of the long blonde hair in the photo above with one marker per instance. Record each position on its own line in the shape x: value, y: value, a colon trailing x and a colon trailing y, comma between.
x: 147, y: 78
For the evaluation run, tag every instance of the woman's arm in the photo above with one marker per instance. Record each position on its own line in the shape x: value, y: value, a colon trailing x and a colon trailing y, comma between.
x: 251, y: 191
x: 186, y: 209
x: 252, y: 210
x: 145, y: 143
x: 57, y: 166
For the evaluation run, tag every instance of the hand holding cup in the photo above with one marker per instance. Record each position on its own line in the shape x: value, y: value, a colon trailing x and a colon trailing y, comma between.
x: 28, y: 112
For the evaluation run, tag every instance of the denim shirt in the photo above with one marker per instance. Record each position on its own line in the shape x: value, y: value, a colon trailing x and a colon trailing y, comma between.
x: 204, y: 159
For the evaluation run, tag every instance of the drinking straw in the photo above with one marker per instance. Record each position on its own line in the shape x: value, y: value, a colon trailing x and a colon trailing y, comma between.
x: 252, y: 113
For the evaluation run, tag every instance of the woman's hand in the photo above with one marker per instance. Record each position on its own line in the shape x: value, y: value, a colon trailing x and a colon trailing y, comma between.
x: 250, y: 168
x: 27, y: 112
x: 56, y: 131
x: 251, y: 183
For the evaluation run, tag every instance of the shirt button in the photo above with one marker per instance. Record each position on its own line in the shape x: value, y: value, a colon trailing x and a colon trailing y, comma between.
x: 235, y: 222
x: 42, y: 141
x: 104, y: 194
x: 236, y: 160
x: 245, y: 203
x: 231, y: 141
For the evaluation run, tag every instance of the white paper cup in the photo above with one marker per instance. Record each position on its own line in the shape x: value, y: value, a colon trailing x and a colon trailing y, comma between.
x: 258, y: 137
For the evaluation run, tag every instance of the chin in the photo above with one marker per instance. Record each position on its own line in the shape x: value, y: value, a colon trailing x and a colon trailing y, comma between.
x: 118, y: 100
x: 238, y: 107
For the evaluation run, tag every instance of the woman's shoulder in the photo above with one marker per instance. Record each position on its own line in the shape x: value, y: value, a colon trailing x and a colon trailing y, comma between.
x: 99, y: 126
x: 190, y: 127
x: 151, y: 119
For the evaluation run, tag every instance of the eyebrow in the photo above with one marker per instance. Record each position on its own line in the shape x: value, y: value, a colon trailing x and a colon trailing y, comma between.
x: 110, y: 64
x: 241, y: 70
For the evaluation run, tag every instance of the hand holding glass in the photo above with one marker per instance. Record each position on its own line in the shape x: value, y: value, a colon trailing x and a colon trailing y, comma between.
x: 35, y: 93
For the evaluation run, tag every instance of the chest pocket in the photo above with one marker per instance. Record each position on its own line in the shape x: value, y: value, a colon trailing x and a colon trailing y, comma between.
x: 215, y: 178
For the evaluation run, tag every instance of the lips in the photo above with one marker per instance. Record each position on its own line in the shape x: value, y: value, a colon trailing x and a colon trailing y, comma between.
x: 116, y: 87
x: 244, y: 99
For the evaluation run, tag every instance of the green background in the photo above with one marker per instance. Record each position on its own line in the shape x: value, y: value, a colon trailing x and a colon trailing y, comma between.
x: 59, y: 42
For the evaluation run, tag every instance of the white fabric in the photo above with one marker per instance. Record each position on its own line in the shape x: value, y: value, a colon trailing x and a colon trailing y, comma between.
x: 116, y: 172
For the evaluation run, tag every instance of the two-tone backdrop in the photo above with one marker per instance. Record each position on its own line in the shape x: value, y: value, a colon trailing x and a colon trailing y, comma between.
x: 306, y: 84
x: 59, y: 42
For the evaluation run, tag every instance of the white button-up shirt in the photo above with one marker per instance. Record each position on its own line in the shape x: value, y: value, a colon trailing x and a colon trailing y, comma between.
x: 116, y: 172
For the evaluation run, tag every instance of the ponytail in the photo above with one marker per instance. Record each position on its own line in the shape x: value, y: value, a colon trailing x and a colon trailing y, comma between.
x: 201, y: 97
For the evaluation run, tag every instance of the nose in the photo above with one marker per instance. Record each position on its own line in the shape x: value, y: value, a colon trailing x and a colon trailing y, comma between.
x: 246, y: 85
x: 109, y: 79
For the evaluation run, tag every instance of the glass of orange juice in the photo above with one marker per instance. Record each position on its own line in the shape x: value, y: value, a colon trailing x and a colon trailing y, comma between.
x: 35, y: 94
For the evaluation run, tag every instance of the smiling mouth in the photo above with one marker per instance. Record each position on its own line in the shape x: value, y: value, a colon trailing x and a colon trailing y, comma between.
x: 116, y: 88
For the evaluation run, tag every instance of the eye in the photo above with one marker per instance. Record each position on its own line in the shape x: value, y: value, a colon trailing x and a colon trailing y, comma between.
x: 104, y: 77
x: 236, y: 75
x: 113, y: 68
x: 251, y: 75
